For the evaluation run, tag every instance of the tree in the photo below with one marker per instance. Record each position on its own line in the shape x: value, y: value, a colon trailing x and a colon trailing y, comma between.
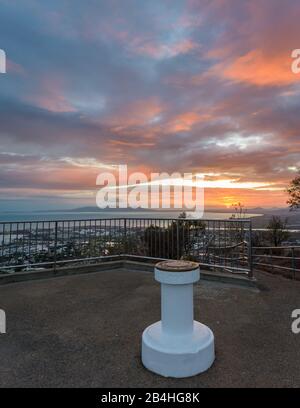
x: 277, y: 230
x: 239, y: 211
x: 294, y: 192
x: 259, y: 238
x: 174, y: 242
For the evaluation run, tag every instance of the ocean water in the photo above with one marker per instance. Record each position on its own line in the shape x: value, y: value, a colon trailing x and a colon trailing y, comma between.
x: 85, y: 215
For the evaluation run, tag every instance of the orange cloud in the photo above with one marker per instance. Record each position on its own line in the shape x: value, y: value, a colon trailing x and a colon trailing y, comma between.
x: 130, y: 144
x: 250, y: 198
x: 185, y: 121
x: 137, y: 113
x: 259, y: 68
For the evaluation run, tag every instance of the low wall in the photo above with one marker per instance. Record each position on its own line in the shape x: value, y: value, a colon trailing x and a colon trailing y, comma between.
x: 125, y: 262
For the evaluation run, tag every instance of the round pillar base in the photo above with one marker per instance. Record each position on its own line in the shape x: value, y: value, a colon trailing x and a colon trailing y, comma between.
x: 178, y: 356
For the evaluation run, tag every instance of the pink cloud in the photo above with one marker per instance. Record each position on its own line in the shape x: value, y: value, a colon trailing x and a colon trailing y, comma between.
x: 50, y: 96
x: 13, y: 67
x: 158, y: 50
x: 185, y: 121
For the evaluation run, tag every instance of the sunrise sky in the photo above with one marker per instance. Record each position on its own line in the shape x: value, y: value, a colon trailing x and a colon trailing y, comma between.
x: 162, y: 86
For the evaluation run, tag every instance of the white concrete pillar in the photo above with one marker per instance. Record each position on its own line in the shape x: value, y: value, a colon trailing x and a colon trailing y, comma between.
x: 177, y: 346
x: 178, y: 299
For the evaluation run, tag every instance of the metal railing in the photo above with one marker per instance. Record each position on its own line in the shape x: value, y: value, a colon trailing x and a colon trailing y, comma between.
x: 284, y: 260
x: 222, y: 244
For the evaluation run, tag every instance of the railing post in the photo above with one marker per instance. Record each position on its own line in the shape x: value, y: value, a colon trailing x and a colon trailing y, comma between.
x: 293, y: 263
x: 55, y: 244
x: 250, y: 254
x: 178, y: 238
x: 271, y: 257
x: 125, y: 247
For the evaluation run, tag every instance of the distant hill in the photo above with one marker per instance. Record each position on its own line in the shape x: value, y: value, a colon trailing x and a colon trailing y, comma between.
x: 292, y: 217
x: 97, y: 209
x: 256, y: 210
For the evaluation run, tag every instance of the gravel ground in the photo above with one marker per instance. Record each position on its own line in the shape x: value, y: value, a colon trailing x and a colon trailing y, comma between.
x: 85, y: 331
